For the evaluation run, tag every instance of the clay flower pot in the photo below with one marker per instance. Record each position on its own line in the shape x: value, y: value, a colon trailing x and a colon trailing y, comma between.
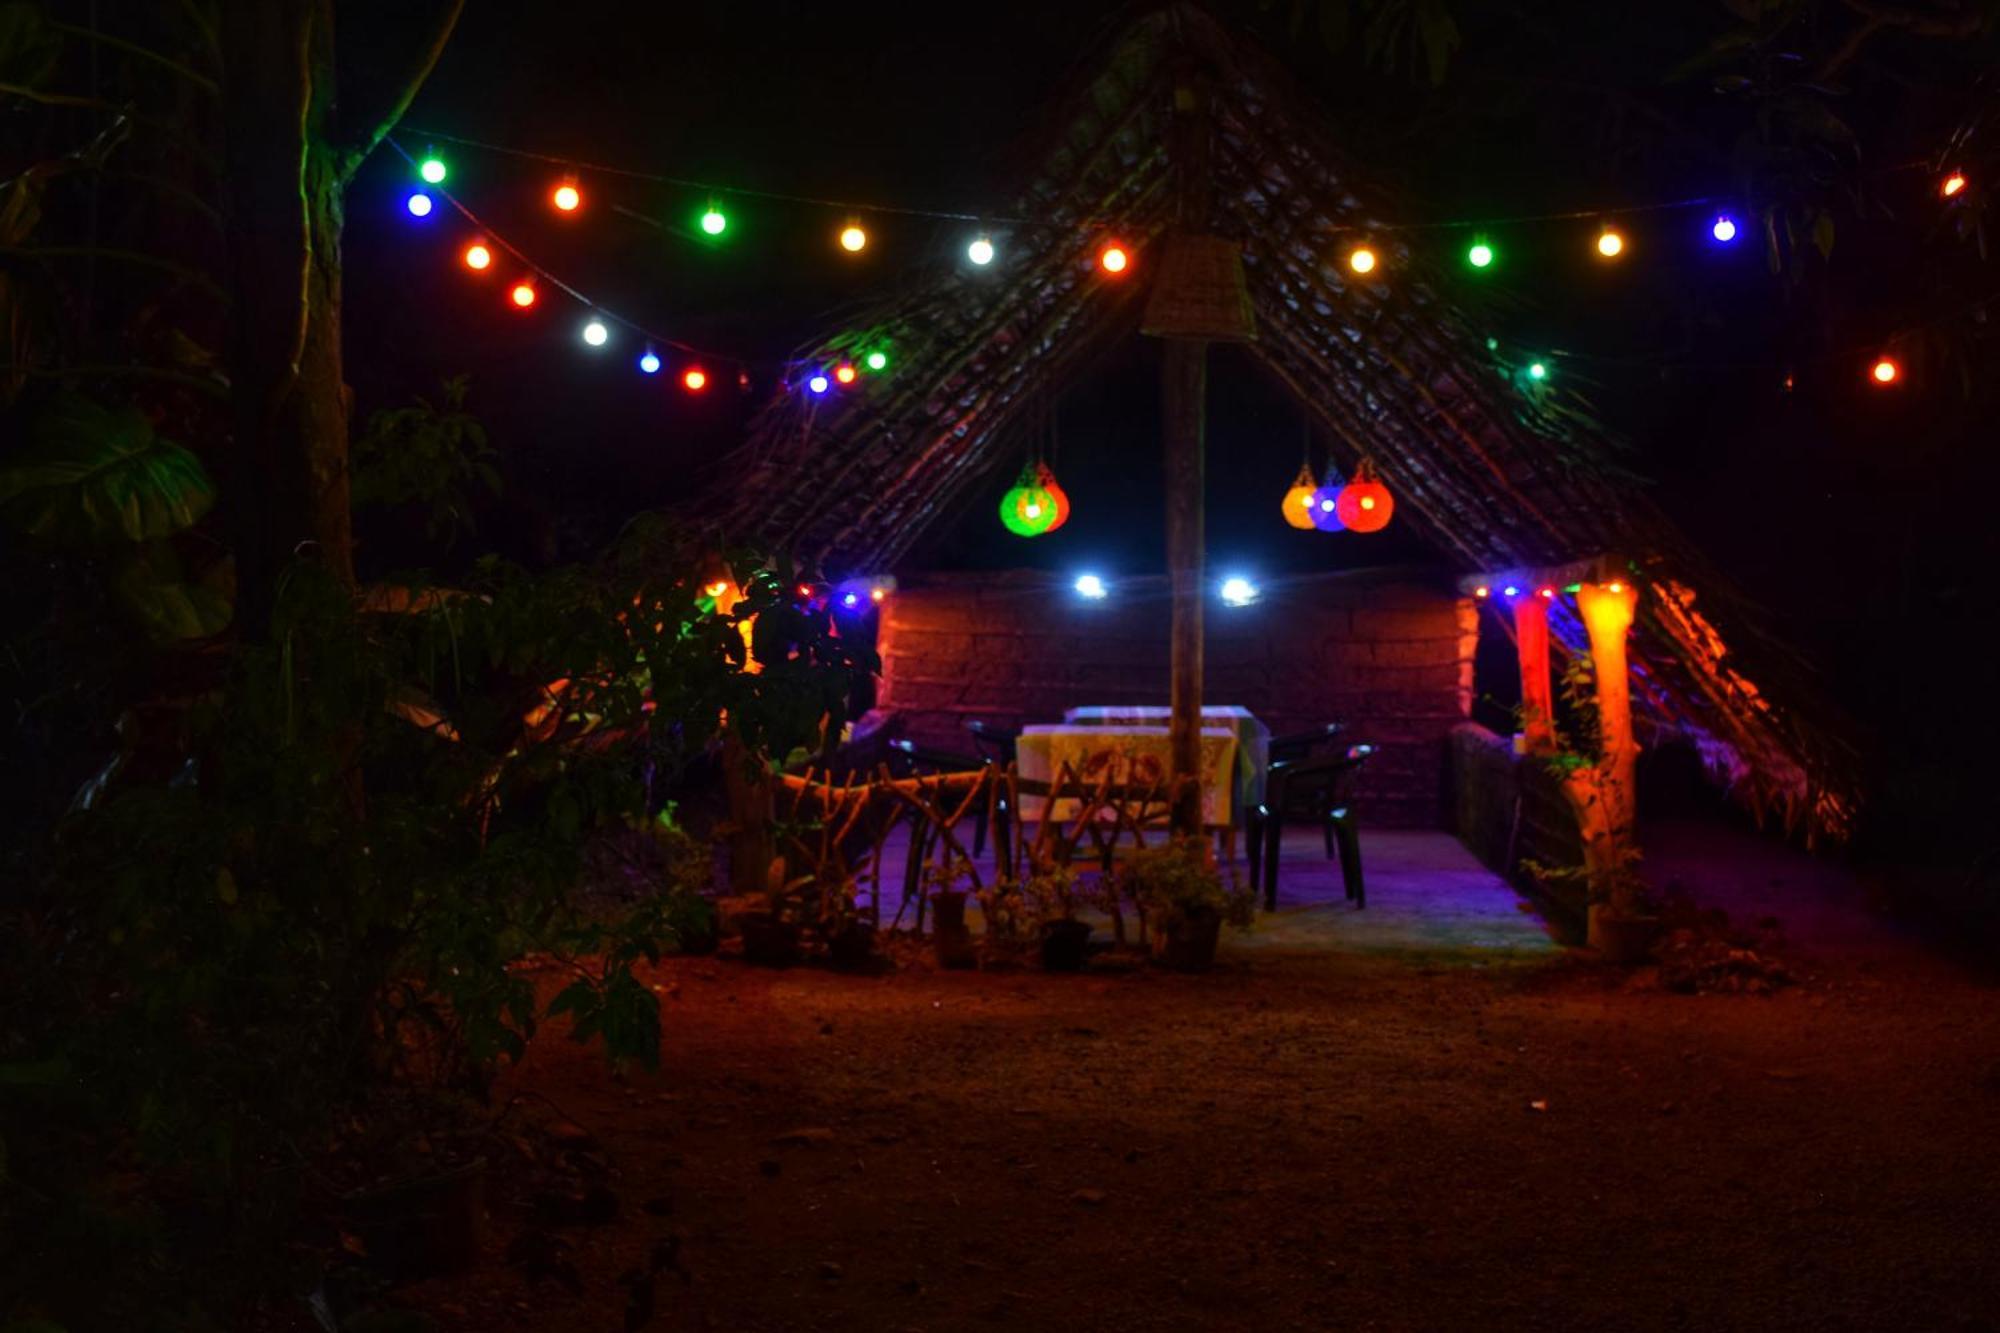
x: 768, y: 940
x: 1188, y: 944
x: 1621, y: 938
x: 949, y: 934
x: 425, y: 1226
x: 1065, y: 945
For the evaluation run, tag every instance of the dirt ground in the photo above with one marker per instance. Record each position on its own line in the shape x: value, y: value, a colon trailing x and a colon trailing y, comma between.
x: 1297, y: 1140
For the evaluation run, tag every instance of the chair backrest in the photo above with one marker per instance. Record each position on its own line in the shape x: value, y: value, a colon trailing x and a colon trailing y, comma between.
x: 1303, y: 744
x: 996, y: 742
x: 907, y: 758
x: 1324, y: 777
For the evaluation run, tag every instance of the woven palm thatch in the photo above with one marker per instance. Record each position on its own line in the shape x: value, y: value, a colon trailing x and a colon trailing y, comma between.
x: 1493, y: 477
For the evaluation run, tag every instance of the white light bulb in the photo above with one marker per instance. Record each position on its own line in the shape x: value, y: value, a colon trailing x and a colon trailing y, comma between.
x: 1091, y: 586
x: 1238, y: 591
x: 980, y: 251
x: 595, y: 333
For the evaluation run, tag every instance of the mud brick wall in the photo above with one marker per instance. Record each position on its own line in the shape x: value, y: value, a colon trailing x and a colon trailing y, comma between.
x: 1511, y: 812
x: 1389, y: 655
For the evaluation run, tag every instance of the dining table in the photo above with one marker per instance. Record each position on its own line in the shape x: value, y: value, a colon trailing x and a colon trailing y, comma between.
x: 1253, y: 739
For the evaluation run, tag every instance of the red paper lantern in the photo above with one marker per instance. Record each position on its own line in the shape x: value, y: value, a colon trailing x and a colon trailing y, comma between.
x: 1365, y: 503
x: 1047, y: 481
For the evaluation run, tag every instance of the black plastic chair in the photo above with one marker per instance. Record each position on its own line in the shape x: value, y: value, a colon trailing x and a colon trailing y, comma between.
x: 909, y: 758
x: 1311, y: 788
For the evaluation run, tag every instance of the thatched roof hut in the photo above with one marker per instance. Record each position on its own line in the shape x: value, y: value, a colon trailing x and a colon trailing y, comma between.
x: 1494, y: 477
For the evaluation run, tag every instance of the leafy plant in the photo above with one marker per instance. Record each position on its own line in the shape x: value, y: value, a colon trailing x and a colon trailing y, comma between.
x: 1176, y: 881
x: 432, y: 455
x: 90, y: 474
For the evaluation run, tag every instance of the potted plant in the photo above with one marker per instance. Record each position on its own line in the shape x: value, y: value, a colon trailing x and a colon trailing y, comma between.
x: 951, y: 937
x: 1183, y: 901
x: 1052, y: 898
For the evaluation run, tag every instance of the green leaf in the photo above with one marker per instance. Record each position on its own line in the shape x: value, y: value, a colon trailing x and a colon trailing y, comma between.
x: 153, y: 588
x: 91, y: 474
x: 29, y: 47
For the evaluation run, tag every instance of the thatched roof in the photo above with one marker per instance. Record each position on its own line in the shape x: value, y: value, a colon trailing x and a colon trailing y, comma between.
x: 1495, y: 479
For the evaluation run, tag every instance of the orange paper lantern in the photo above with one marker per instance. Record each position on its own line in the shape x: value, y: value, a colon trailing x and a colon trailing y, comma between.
x: 1299, y: 499
x: 1365, y: 505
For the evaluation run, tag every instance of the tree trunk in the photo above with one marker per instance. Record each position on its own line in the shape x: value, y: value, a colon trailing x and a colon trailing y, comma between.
x: 752, y: 845
x: 288, y: 485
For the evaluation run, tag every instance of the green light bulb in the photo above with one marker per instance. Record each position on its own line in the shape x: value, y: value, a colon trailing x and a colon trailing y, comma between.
x: 713, y: 222
x: 878, y: 360
x: 1480, y: 255
x: 432, y: 170
x: 1537, y: 371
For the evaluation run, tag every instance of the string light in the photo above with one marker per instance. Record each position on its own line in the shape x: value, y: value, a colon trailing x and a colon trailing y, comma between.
x: 713, y: 222
x: 1546, y: 593
x: 878, y: 595
x: 1538, y: 371
x: 1723, y: 229
x: 980, y: 251
x: 1480, y: 255
x: 1952, y: 184
x: 432, y: 170
x: 1510, y: 591
x: 878, y: 360
x: 845, y: 372
x: 649, y: 361
x: 478, y: 257
x: 596, y: 334
x: 696, y: 379
x: 1091, y: 586
x: 818, y: 383
x: 567, y: 197
x: 1361, y: 259
x: 1885, y: 371
x: 850, y: 600
x: 852, y: 238
x: 1610, y: 243
x: 1482, y: 592
x: 523, y: 294
x: 419, y: 204
x: 1112, y: 258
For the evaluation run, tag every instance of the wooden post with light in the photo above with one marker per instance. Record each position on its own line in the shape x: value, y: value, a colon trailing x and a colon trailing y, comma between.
x: 1531, y: 642
x: 1198, y: 297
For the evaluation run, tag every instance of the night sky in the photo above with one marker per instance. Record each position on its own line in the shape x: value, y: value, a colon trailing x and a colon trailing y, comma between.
x: 1858, y: 518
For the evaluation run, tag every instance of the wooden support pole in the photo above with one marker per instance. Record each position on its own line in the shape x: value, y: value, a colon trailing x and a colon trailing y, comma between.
x: 1185, y: 400
x: 1531, y: 639
x: 1603, y: 794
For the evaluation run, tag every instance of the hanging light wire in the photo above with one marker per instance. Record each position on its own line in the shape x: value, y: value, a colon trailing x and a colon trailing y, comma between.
x: 491, y: 236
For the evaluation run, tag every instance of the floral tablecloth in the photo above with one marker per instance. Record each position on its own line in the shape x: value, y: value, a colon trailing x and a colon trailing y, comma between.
x: 1253, y: 738
x: 1134, y: 755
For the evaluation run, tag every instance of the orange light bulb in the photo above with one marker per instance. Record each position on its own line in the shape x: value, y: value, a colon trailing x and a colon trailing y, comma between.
x: 845, y: 372
x: 696, y: 379
x: 1610, y: 243
x: 1113, y: 259
x: 523, y: 294
x: 478, y: 257
x: 1885, y: 371
x: 567, y: 197
x: 1953, y: 184
x: 853, y: 239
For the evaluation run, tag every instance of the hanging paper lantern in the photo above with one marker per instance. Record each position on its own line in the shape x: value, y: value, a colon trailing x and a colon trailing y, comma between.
x: 1365, y: 503
x: 1057, y: 495
x: 1325, y: 507
x: 1299, y: 499
x: 1027, y: 509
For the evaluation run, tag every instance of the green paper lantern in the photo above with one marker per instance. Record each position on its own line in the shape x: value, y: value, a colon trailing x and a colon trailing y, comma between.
x: 1028, y: 509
